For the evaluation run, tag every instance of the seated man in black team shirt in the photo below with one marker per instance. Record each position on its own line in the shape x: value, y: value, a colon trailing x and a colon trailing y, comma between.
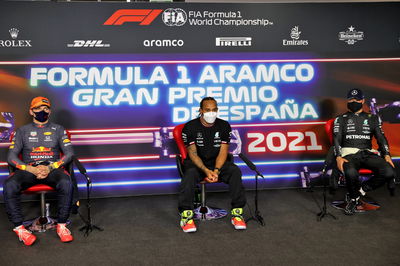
x: 40, y: 143
x: 353, y: 132
x: 207, y: 140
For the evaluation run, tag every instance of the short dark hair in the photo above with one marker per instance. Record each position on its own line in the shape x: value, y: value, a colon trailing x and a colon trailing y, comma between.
x: 206, y: 99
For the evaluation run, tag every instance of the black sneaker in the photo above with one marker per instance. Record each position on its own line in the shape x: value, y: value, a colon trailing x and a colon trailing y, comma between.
x: 351, y: 206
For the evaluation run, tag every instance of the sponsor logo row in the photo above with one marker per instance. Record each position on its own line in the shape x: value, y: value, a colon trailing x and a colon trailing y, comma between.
x: 350, y: 36
x: 177, y: 17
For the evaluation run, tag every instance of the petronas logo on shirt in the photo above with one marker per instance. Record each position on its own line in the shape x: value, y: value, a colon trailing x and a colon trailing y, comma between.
x: 216, y: 135
x: 366, y: 122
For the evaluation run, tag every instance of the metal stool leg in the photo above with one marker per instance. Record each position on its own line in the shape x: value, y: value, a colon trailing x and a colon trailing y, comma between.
x: 203, y: 208
x: 42, y: 218
x: 205, y: 212
x: 44, y: 222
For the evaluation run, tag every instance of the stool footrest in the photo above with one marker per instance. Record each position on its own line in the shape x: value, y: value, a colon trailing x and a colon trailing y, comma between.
x: 208, y: 213
x: 35, y: 225
x: 363, y: 207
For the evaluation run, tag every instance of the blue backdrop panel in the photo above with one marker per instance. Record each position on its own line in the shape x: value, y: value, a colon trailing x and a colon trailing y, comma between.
x: 121, y: 76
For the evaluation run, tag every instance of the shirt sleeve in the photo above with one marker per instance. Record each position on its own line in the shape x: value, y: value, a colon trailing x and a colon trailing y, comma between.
x: 379, y: 135
x: 226, y: 134
x: 188, y: 135
x: 337, y: 136
x: 15, y: 150
x: 66, y: 147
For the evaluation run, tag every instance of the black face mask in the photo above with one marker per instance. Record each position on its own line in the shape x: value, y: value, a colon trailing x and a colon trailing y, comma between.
x: 354, y: 106
x: 41, y: 116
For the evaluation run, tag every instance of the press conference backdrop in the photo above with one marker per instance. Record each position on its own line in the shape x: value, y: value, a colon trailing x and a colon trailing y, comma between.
x: 120, y: 76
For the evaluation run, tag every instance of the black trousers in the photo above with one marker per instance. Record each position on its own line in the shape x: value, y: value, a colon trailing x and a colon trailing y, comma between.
x: 21, y: 180
x: 382, y: 172
x: 230, y: 174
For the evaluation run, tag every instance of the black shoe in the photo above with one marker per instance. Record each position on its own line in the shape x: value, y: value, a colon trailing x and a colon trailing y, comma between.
x: 351, y: 206
x: 75, y: 208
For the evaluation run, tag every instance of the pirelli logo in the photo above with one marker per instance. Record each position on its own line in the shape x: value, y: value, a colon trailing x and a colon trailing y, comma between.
x: 144, y: 16
x: 233, y: 41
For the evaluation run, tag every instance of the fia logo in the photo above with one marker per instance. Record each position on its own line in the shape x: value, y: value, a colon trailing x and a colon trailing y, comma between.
x: 174, y: 17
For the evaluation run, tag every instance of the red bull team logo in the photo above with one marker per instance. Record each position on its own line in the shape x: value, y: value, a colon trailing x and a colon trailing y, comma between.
x: 41, y: 149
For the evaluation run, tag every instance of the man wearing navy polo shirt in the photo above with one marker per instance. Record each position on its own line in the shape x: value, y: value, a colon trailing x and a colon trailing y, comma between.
x: 40, y: 143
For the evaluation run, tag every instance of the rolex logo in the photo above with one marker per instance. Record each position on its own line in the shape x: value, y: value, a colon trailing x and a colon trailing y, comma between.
x: 14, y: 33
x: 14, y: 42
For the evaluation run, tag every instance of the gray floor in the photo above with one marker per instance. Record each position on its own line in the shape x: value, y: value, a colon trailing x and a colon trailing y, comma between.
x: 144, y: 231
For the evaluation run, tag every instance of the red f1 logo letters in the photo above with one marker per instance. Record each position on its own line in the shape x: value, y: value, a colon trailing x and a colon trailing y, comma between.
x: 144, y: 16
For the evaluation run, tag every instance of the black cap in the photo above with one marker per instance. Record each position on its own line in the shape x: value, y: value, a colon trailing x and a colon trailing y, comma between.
x: 355, y: 94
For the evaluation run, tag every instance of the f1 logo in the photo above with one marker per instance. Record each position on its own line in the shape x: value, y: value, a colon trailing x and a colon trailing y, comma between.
x: 144, y: 16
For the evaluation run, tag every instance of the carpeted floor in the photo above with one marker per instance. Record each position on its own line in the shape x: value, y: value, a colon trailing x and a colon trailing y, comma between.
x: 145, y: 231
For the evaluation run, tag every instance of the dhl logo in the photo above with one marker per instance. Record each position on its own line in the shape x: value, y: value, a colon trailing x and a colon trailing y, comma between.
x: 40, y: 149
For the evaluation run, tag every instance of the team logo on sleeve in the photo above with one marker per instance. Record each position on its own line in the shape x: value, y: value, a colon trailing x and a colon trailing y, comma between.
x: 386, y: 147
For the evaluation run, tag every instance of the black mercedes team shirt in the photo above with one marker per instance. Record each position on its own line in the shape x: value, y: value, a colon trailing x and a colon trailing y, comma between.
x: 352, y: 130
x: 208, y: 140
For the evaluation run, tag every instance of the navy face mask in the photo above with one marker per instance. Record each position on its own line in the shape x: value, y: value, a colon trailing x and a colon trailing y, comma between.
x: 354, y: 106
x: 41, y: 116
